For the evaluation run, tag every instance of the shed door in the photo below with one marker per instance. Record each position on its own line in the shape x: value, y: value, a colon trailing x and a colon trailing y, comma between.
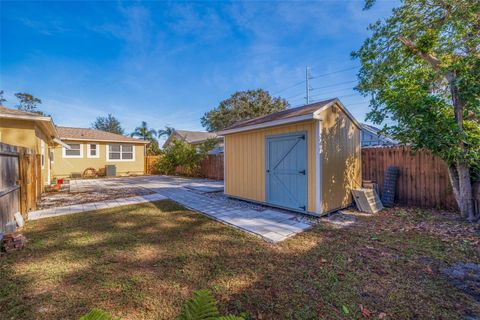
x: 286, y: 171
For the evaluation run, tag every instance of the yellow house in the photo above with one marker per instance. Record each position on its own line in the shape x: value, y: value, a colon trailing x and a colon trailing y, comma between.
x: 33, y: 131
x: 67, y: 152
x: 305, y: 159
x: 90, y: 148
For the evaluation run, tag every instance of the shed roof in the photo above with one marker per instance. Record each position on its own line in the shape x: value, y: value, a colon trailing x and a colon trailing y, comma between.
x: 86, y: 134
x: 306, y: 112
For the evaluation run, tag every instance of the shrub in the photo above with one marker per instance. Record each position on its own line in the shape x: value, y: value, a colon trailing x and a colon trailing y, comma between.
x: 179, y: 153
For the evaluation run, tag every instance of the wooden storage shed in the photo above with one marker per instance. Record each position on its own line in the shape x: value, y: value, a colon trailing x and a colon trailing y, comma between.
x: 305, y: 159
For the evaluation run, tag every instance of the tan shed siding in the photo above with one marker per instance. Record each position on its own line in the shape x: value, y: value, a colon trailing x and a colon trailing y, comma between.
x: 64, y: 167
x: 245, y: 161
x: 341, y: 152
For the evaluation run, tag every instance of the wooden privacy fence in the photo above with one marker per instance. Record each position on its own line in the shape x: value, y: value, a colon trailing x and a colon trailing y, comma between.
x: 150, y: 162
x: 211, y: 167
x: 18, y: 184
x: 423, y: 178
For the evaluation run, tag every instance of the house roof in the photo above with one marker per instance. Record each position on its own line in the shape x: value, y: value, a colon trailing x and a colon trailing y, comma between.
x: 85, y: 134
x: 376, y: 131
x: 306, y: 112
x: 19, y: 114
x: 44, y: 122
x: 195, y: 136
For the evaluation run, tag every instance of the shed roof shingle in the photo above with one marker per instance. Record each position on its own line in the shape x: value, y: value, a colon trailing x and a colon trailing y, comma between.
x: 294, y: 112
x: 71, y: 133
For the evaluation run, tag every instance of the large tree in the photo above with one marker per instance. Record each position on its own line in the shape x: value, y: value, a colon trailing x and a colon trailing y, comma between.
x: 240, y: 106
x: 109, y: 124
x: 27, y: 102
x: 421, y: 67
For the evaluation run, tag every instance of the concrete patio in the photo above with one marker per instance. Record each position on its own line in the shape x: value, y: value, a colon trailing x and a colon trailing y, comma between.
x: 270, y: 224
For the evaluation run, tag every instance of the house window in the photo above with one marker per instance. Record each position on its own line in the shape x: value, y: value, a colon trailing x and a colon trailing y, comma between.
x: 121, y: 152
x: 75, y: 151
x: 93, y: 151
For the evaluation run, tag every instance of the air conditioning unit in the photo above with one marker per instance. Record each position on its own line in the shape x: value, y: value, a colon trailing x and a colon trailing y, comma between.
x: 110, y: 170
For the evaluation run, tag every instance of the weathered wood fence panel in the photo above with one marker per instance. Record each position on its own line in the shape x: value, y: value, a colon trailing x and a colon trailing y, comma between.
x: 212, y: 167
x: 150, y: 162
x: 423, y: 179
x: 18, y: 183
x: 9, y: 188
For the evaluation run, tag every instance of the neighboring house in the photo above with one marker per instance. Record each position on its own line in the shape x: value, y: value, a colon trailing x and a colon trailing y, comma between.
x: 67, y: 152
x: 33, y: 131
x: 195, y: 138
x: 372, y: 137
x: 90, y: 148
x: 305, y: 159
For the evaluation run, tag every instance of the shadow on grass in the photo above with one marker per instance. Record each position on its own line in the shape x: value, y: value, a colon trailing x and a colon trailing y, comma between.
x: 144, y: 261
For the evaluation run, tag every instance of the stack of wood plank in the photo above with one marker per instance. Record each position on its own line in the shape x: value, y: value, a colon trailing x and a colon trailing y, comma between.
x: 367, y: 200
x: 13, y: 241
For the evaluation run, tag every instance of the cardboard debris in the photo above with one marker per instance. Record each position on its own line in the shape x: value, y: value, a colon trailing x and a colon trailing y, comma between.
x: 13, y: 241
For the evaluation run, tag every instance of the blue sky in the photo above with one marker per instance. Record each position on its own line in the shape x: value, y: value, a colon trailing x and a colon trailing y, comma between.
x: 169, y: 62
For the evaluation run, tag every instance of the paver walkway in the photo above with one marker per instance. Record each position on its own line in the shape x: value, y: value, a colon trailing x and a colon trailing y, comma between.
x: 272, y: 225
x: 77, y: 208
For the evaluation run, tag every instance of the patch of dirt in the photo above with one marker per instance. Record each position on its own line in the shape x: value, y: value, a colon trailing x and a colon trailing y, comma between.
x: 64, y: 197
x: 466, y: 277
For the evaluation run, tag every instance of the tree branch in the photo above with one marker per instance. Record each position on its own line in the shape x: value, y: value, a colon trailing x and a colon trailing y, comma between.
x: 433, y: 61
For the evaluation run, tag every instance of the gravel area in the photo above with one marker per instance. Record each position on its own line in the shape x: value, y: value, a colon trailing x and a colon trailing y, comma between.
x: 64, y: 197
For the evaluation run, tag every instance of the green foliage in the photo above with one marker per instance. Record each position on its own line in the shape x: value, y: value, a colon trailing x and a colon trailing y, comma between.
x: 167, y: 131
x: 153, y: 149
x: 97, y: 314
x: 242, y: 105
x: 108, y: 124
x: 2, y: 99
x: 144, y: 132
x: 180, y: 153
x: 203, y: 306
x: 416, y: 66
x: 28, y: 102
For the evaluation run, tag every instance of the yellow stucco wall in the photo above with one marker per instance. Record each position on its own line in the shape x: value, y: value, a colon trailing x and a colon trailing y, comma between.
x: 18, y: 133
x: 245, y: 161
x: 26, y: 133
x: 64, y: 167
x: 340, y: 163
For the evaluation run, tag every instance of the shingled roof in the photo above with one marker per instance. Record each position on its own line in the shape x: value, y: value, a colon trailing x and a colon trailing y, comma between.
x: 195, y: 136
x: 70, y: 133
x: 285, y: 114
x: 15, y: 113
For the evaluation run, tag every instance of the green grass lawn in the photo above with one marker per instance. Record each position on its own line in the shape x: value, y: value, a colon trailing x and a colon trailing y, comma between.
x: 144, y: 261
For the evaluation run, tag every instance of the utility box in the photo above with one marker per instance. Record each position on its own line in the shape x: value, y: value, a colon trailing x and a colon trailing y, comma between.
x: 110, y: 170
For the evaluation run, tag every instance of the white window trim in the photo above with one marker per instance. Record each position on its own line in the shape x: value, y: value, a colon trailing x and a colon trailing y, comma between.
x: 64, y: 155
x: 97, y: 148
x: 120, y: 160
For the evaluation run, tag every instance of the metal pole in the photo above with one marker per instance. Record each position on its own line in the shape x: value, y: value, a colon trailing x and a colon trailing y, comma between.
x: 307, y: 86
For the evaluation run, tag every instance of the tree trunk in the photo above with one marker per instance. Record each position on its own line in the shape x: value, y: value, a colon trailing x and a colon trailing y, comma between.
x: 462, y: 190
x: 463, y: 182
